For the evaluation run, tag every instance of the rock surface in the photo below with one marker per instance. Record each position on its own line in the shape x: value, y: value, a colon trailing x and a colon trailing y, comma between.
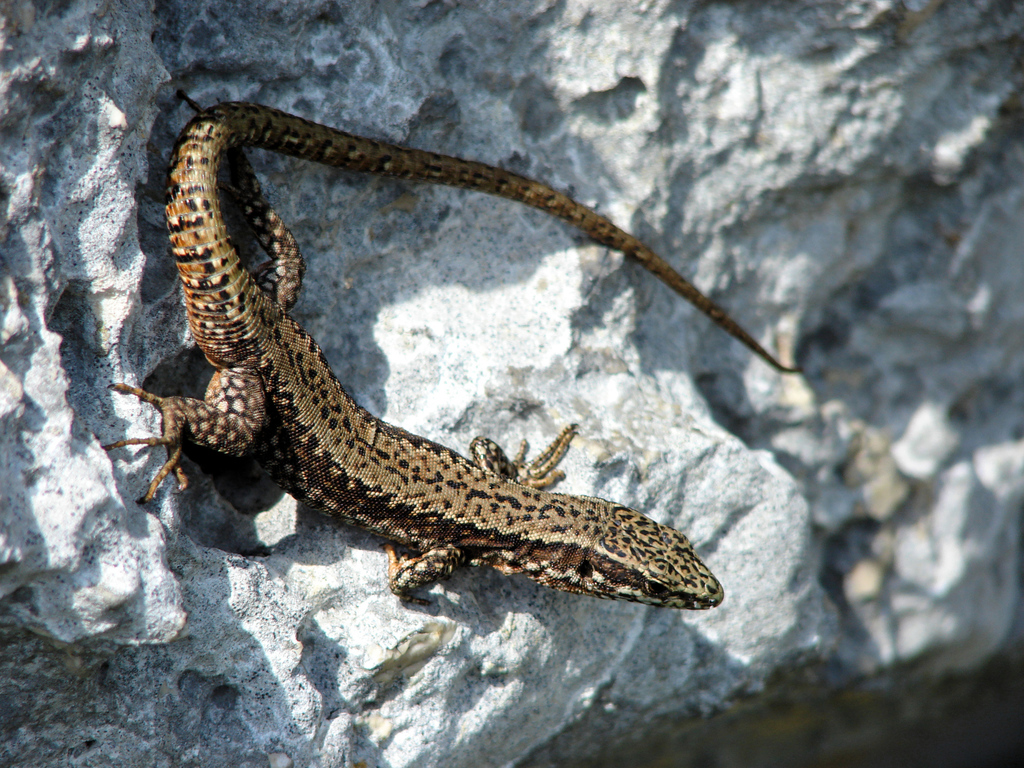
x: 844, y: 177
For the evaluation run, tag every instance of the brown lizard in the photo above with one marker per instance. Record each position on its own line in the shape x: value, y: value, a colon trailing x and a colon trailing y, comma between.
x: 273, y: 394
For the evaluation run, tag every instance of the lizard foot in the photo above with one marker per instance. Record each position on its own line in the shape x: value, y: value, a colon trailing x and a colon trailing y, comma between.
x: 539, y: 473
x: 171, y: 439
x: 406, y: 573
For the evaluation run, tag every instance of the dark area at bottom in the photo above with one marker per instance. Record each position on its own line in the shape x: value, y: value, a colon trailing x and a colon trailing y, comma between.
x: 971, y: 721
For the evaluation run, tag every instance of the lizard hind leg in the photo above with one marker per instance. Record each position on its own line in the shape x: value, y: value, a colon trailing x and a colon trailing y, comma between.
x: 228, y: 421
x: 281, y: 277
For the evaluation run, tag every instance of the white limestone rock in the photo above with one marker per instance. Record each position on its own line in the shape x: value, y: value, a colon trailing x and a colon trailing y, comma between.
x: 77, y: 104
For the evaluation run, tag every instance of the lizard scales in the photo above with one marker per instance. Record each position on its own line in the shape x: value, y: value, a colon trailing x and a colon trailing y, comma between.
x: 274, y: 395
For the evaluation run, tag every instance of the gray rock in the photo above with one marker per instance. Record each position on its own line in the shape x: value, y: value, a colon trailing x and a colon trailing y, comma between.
x: 844, y: 178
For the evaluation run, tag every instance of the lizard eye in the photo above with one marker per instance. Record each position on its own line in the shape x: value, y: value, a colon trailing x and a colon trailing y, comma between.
x: 654, y: 589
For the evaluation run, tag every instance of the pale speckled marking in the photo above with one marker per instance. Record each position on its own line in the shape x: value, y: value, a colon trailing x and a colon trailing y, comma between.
x: 275, y: 395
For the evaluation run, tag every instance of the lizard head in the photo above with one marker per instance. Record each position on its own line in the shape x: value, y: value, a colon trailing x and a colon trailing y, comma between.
x: 640, y: 560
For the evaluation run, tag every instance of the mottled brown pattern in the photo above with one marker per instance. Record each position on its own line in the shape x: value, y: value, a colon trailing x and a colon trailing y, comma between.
x: 276, y: 397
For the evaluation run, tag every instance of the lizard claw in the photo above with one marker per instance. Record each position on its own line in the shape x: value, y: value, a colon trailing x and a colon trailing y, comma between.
x: 180, y: 93
x: 541, y: 472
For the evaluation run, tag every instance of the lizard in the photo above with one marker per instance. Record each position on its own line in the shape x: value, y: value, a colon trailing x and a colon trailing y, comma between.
x: 273, y: 395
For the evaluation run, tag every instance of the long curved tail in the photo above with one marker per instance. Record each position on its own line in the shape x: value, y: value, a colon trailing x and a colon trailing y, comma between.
x: 209, y: 267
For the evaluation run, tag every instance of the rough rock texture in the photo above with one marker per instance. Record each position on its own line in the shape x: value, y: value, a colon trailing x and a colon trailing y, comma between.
x: 843, y: 176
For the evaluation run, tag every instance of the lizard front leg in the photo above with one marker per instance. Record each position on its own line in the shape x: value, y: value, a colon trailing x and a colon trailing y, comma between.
x: 539, y: 473
x: 228, y: 421
x: 407, y: 573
